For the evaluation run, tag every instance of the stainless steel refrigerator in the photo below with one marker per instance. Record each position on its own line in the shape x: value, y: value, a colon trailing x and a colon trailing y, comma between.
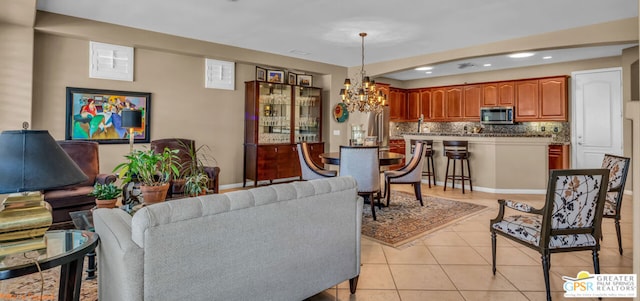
x: 378, y: 125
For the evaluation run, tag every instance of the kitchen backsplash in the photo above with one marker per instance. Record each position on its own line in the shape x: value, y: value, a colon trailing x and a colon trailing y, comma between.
x: 563, y: 134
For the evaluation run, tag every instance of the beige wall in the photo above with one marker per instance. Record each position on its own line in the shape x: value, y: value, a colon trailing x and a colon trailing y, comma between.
x: 171, y: 69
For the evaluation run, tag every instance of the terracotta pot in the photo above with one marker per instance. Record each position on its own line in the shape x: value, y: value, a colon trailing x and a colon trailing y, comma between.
x: 106, y: 203
x: 154, y: 194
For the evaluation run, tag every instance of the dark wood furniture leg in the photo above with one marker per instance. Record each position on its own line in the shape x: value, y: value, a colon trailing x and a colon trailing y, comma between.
x: 91, y: 265
x: 353, y: 283
x: 70, y: 280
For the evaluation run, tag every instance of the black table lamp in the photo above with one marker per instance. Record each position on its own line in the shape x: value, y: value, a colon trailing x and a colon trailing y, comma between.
x: 31, y: 161
x: 131, y: 119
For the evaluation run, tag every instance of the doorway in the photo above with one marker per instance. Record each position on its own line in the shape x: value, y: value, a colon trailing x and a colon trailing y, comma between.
x: 597, y: 116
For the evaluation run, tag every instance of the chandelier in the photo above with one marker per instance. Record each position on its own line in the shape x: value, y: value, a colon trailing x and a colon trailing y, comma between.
x: 363, y: 95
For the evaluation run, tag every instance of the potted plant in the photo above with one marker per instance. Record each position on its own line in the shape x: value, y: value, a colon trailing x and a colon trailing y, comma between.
x: 106, y: 195
x: 196, y: 184
x: 196, y: 180
x: 153, y: 171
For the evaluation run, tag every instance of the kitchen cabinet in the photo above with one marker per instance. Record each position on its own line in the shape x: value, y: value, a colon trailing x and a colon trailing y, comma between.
x: 454, y: 104
x: 558, y: 156
x: 425, y: 103
x: 397, y: 104
x: 413, y: 105
x: 527, y: 100
x: 277, y: 116
x: 438, y: 108
x: 543, y: 99
x: 397, y: 146
x: 553, y: 99
x: 499, y: 94
x: 472, y: 100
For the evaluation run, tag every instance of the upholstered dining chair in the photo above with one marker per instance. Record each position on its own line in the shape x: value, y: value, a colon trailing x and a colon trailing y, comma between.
x: 309, y: 169
x: 408, y: 174
x: 362, y: 163
x: 569, y: 221
x: 618, y: 168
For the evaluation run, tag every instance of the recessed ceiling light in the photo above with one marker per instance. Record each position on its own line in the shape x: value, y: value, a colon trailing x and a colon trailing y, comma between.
x: 428, y: 72
x: 521, y: 55
x: 547, y: 57
x: 423, y: 68
x: 487, y: 65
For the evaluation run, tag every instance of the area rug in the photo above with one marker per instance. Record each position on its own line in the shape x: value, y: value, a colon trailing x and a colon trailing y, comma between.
x: 28, y: 287
x: 405, y: 220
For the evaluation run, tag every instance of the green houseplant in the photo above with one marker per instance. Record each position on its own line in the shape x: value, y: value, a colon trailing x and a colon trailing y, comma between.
x: 106, y: 195
x: 152, y: 170
x: 196, y: 180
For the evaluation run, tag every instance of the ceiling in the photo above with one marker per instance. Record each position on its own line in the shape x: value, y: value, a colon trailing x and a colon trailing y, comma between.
x: 327, y: 31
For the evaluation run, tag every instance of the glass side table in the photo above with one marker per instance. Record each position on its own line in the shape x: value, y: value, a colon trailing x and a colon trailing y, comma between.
x: 65, y: 248
x: 83, y: 220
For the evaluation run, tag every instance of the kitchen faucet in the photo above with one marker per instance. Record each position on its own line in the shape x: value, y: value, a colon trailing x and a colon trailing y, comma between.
x: 420, y: 123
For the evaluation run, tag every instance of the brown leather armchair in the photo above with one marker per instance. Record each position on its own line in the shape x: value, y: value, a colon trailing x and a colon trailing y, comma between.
x: 76, y: 198
x: 183, y: 145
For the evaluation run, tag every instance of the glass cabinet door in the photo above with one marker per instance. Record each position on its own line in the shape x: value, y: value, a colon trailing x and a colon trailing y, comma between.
x: 274, y: 121
x: 307, y: 114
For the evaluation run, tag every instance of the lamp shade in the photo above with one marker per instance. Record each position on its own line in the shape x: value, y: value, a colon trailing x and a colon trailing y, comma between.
x: 131, y: 118
x: 32, y: 160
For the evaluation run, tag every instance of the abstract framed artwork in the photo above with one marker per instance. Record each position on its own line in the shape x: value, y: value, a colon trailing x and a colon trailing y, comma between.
x: 95, y: 115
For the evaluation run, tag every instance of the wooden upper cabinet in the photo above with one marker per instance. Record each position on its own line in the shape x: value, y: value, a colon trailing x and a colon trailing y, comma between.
x: 472, y: 101
x: 499, y: 94
x: 397, y: 104
x: 553, y: 99
x: 454, y: 104
x: 527, y: 103
x: 490, y: 94
x: 385, y: 90
x: 438, y: 104
x: 413, y: 105
x: 506, y: 94
x: 425, y: 103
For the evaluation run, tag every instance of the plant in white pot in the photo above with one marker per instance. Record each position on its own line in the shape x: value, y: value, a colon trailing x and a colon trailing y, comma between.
x: 153, y: 171
x: 106, y: 195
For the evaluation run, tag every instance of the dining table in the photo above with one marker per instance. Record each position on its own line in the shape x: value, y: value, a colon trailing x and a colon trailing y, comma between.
x: 386, y: 158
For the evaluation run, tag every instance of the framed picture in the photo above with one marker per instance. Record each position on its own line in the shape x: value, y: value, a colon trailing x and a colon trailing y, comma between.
x: 305, y: 80
x: 261, y: 74
x: 96, y: 115
x: 293, y: 80
x: 275, y: 76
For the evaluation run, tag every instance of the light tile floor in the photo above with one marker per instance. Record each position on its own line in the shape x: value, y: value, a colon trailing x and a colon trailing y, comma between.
x: 454, y: 263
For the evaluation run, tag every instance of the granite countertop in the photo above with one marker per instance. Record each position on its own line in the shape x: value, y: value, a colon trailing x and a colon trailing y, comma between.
x: 480, y: 134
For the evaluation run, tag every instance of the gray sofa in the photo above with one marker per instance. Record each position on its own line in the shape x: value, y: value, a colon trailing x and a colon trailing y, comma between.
x: 280, y: 242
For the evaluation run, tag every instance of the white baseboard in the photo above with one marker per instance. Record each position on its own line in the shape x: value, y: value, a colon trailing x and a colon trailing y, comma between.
x: 493, y: 190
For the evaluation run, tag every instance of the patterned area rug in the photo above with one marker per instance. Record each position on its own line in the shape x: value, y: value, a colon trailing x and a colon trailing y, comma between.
x: 405, y: 220
x: 28, y: 287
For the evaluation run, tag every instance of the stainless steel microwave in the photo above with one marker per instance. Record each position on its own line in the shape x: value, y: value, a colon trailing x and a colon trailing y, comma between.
x: 496, y: 115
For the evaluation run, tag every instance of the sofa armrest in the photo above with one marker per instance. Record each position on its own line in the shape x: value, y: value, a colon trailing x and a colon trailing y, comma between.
x: 105, y: 178
x: 121, y: 260
x: 213, y: 173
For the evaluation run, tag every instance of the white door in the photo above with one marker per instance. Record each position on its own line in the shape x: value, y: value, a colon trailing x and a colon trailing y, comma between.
x: 597, y: 116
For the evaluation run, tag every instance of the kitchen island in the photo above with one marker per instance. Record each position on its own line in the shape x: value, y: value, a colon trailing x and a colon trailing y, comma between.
x: 500, y: 163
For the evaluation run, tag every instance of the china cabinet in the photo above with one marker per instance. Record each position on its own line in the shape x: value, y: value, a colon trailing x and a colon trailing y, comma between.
x: 277, y: 116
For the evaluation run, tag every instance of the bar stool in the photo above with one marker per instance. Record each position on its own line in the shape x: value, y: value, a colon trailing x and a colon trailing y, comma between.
x: 430, y: 173
x: 457, y: 150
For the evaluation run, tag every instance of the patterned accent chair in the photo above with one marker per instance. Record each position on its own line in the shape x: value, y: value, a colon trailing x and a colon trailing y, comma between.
x: 309, y: 169
x: 569, y: 221
x: 363, y: 164
x: 408, y: 174
x: 618, y: 167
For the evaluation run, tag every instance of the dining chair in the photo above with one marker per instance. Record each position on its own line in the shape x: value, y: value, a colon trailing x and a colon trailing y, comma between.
x: 618, y: 168
x: 362, y: 163
x: 408, y: 174
x: 569, y: 221
x: 309, y: 169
